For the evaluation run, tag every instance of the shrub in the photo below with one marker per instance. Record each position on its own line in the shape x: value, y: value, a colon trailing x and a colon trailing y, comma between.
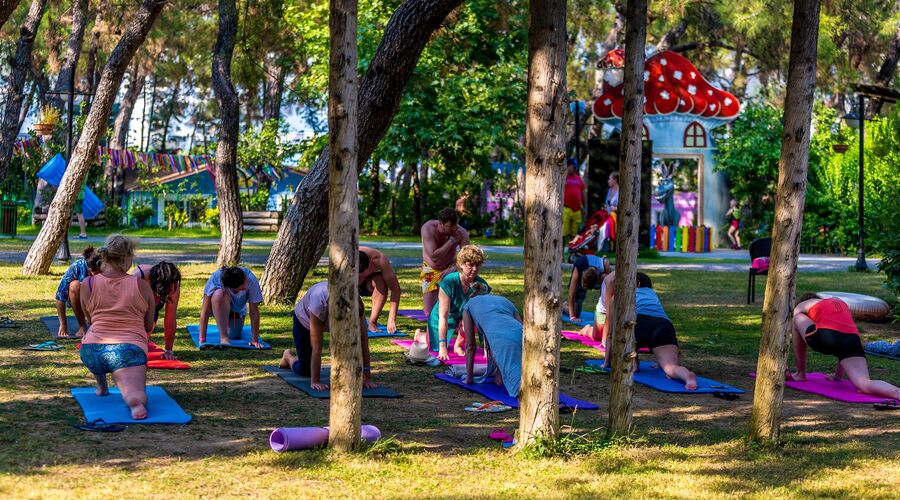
x: 23, y: 215
x: 114, y: 216
x: 175, y: 216
x: 142, y: 214
x: 210, y: 217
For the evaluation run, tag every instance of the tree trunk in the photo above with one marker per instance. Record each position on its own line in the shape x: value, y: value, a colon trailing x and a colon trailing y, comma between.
x: 621, y: 350
x: 416, y: 171
x: 545, y: 166
x: 73, y: 52
x: 26, y: 105
x: 765, y: 419
x: 300, y: 240
x: 154, y: 83
x: 229, y: 200
x: 6, y: 9
x: 91, y: 70
x: 343, y: 234
x: 15, y: 93
x: 40, y: 79
x: 375, y: 194
x: 886, y: 74
x: 672, y: 36
x: 60, y: 215
x: 119, y: 139
x: 171, y: 112
x: 273, y: 88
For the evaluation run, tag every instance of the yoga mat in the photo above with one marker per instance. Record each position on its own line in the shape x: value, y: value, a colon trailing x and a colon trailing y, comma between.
x: 52, y: 324
x: 496, y: 392
x: 155, y: 361
x: 569, y: 335
x: 303, y: 384
x: 455, y: 359
x: 415, y: 314
x: 111, y: 409
x: 303, y: 438
x: 816, y: 383
x: 212, y: 337
x: 382, y: 332
x: 656, y: 379
x: 587, y: 318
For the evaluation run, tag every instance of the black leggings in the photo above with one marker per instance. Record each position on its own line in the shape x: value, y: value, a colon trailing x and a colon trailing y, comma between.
x: 304, y: 348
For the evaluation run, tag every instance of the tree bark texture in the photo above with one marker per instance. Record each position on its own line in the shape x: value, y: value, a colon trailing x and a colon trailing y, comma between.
x: 343, y: 231
x: 545, y: 170
x: 73, y: 51
x: 765, y: 418
x: 40, y: 79
x: 273, y: 88
x: 227, y: 195
x: 621, y: 350
x: 95, y: 126
x: 301, y: 240
x: 119, y: 140
x: 173, y: 106
x: 886, y: 73
x: 6, y: 9
x: 15, y: 91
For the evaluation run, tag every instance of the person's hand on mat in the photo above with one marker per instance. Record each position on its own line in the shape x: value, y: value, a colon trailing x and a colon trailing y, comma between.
x: 62, y: 332
x: 368, y: 383
x: 442, y: 353
x: 318, y: 386
x: 392, y: 325
x: 256, y: 344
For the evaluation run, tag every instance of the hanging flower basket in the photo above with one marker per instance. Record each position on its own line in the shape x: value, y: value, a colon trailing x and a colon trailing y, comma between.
x: 44, y: 129
x: 839, y: 148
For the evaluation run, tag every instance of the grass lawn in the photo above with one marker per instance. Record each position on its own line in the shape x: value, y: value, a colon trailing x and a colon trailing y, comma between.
x: 686, y: 446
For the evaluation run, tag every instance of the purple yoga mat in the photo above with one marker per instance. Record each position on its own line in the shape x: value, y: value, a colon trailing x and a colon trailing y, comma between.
x: 304, y: 438
x: 454, y: 358
x: 816, y: 383
x: 415, y: 314
x: 568, y: 335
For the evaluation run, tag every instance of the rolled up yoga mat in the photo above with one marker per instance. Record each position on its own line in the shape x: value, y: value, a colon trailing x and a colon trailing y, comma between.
x: 863, y: 307
x: 304, y: 438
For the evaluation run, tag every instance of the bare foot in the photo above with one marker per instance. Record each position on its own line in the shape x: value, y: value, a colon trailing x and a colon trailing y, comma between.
x: 224, y: 341
x: 691, y: 383
x: 138, y: 412
x: 80, y: 332
x: 459, y: 351
x: 420, y: 336
x: 373, y: 327
x: 587, y: 331
x: 62, y: 333
x: 102, y: 391
x: 285, y: 359
x: 795, y: 376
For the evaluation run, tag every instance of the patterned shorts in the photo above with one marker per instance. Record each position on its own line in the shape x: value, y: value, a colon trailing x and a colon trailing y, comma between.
x: 101, y: 359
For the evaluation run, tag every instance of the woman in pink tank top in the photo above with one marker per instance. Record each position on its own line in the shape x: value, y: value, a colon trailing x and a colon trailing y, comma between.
x: 119, y: 308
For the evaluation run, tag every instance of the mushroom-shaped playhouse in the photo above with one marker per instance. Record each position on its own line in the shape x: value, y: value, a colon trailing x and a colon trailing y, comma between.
x: 680, y: 110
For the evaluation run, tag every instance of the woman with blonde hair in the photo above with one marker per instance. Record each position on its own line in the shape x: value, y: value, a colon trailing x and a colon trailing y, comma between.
x: 119, y: 308
x: 454, y: 290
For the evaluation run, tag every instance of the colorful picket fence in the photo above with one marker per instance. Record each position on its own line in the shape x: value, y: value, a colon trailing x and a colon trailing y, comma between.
x: 694, y: 239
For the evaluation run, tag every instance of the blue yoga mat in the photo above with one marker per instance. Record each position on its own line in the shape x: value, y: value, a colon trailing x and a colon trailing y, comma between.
x: 212, y: 338
x: 587, y: 318
x: 111, y: 409
x: 656, y: 378
x: 496, y: 392
x: 303, y: 384
x: 382, y: 332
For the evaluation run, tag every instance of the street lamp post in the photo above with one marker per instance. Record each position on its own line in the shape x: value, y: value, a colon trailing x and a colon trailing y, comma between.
x: 861, y: 243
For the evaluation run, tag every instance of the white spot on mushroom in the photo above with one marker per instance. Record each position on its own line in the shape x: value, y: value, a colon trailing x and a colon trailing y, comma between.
x: 692, y: 89
x: 728, y: 101
x: 677, y: 75
x: 712, y: 107
x: 663, y: 61
x: 661, y: 78
x: 607, y: 101
x: 664, y: 95
x: 709, y: 92
x: 681, y: 102
x: 693, y: 75
x: 646, y: 75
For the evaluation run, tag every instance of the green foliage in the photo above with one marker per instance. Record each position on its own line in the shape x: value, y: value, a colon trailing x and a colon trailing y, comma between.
x: 23, y: 215
x: 255, y: 201
x: 114, y: 215
x: 141, y: 215
x: 175, y: 216
x: 263, y: 149
x: 210, y: 217
x: 572, y: 444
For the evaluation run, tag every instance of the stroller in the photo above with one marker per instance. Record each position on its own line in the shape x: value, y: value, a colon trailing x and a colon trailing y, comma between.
x: 598, y: 228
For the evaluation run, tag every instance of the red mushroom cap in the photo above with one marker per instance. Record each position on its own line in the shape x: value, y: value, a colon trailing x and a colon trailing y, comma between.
x: 672, y: 84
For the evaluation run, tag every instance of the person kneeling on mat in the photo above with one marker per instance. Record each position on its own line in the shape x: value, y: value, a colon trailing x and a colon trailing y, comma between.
x: 69, y: 287
x: 587, y: 272
x: 165, y: 281
x: 119, y: 308
x: 226, y: 295
x: 500, y: 327
x: 310, y: 323
x: 600, y: 329
x: 655, y: 331
x: 827, y: 326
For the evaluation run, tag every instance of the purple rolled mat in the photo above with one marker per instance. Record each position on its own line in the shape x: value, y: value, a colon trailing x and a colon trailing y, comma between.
x: 303, y: 438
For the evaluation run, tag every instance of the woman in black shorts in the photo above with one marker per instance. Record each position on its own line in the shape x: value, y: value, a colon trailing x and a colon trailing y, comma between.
x: 827, y: 326
x: 655, y: 331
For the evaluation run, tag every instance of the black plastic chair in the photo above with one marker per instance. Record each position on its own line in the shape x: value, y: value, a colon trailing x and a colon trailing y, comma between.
x: 759, y: 248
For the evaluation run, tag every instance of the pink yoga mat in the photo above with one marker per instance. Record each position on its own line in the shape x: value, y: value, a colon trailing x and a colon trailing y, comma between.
x: 454, y: 358
x: 568, y: 335
x: 816, y: 383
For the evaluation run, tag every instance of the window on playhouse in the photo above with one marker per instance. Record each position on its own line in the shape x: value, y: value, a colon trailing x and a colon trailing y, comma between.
x: 695, y: 136
x: 645, y: 134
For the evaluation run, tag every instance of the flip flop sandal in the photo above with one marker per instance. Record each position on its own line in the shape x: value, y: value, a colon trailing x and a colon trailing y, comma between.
x: 100, y: 426
x: 489, y: 407
x: 509, y: 444
x: 727, y: 396
x: 213, y: 347
x: 6, y: 322
x: 46, y: 346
